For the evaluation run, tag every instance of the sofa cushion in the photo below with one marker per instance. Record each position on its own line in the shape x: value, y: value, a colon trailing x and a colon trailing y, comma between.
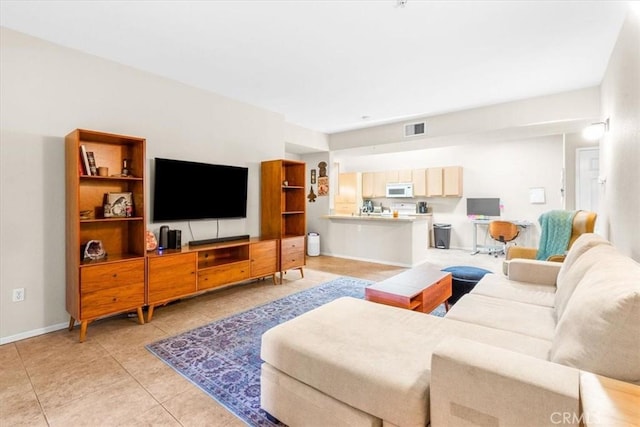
x: 373, y: 357
x: 527, y: 319
x: 507, y: 340
x: 498, y: 286
x: 568, y: 281
x: 598, y: 331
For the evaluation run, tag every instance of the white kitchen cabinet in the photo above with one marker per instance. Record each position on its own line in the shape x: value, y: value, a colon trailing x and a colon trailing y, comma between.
x: 444, y: 181
x: 419, y: 179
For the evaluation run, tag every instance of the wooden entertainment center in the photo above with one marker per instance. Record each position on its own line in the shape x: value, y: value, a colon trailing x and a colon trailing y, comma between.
x: 179, y: 273
x: 127, y: 277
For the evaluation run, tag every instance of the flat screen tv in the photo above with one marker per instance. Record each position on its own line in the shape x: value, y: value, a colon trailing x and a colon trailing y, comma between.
x: 189, y: 190
x: 483, y: 207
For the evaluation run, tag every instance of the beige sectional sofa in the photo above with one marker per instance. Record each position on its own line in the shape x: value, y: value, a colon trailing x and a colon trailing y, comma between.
x: 508, y: 353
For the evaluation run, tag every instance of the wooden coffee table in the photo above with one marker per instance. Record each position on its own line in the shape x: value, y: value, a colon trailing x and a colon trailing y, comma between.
x: 421, y: 288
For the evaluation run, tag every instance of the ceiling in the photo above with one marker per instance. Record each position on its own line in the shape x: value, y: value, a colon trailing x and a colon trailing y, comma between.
x: 338, y: 65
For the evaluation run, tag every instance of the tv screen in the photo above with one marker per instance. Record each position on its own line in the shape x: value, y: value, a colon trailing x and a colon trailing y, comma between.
x: 190, y: 190
x: 483, y: 207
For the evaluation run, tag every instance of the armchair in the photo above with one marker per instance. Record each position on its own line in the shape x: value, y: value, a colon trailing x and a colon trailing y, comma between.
x: 583, y: 222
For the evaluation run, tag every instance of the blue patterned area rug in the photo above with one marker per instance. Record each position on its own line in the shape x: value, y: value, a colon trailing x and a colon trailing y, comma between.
x: 223, y: 357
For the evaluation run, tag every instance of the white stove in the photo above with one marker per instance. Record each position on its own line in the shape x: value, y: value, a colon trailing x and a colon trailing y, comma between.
x: 404, y: 208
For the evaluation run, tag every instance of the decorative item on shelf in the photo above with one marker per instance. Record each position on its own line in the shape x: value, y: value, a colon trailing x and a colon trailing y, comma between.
x: 285, y: 183
x: 103, y: 171
x: 118, y: 205
x: 125, y: 167
x: 85, y: 170
x: 93, y: 250
x: 152, y: 242
x: 86, y: 214
x: 312, y: 196
x: 313, y: 176
x: 92, y: 163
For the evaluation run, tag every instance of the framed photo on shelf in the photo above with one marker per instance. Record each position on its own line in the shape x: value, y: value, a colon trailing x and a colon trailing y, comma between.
x: 118, y: 205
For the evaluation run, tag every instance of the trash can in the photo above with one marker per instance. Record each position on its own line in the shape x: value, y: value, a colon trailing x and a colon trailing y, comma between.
x: 313, y: 244
x: 442, y: 235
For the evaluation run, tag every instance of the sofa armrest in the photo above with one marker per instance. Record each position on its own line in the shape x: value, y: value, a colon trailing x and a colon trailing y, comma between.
x: 478, y: 384
x: 533, y: 271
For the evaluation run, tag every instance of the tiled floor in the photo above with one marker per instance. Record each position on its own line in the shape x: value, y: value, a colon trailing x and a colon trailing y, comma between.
x: 112, y: 380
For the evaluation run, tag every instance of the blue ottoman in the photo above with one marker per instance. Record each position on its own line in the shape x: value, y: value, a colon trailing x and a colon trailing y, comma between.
x: 463, y: 279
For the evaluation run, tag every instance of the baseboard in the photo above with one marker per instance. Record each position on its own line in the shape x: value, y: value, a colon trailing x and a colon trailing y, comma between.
x: 33, y: 333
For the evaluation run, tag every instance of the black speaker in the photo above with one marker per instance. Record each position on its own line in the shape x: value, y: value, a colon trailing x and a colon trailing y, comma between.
x: 175, y: 239
x: 164, y: 237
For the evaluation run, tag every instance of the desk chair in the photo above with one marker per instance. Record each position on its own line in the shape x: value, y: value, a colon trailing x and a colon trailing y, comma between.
x: 503, y: 232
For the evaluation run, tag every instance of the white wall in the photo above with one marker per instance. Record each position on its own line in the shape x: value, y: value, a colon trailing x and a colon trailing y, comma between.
x: 620, y: 147
x: 48, y: 91
x: 501, y: 169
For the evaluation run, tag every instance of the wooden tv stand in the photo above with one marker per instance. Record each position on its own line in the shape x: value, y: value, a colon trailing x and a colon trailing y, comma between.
x: 178, y: 273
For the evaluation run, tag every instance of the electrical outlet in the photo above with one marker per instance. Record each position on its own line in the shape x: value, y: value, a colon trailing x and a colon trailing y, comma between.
x: 18, y: 294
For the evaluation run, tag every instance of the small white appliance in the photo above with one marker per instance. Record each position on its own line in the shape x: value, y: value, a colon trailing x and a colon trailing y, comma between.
x: 400, y: 190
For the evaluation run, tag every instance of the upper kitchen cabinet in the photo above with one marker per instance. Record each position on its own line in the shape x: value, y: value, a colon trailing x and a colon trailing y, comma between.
x: 444, y: 182
x: 419, y: 179
x: 374, y: 184
x: 393, y: 177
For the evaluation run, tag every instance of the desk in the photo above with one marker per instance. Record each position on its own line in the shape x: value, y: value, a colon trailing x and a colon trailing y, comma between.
x: 478, y: 248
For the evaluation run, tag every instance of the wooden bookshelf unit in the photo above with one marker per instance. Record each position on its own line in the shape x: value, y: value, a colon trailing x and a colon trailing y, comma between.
x: 283, y: 210
x: 116, y: 283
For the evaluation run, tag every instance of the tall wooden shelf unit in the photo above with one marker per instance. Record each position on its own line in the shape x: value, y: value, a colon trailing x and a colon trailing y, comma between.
x: 283, y: 210
x: 115, y: 284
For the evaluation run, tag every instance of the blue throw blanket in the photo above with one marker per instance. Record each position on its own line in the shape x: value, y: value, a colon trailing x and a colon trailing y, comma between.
x: 556, y: 232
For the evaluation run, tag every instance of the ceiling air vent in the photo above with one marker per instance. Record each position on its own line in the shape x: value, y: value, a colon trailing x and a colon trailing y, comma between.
x: 414, y: 129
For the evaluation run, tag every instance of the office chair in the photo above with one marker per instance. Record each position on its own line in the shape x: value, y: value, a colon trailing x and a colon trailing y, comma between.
x: 503, y: 232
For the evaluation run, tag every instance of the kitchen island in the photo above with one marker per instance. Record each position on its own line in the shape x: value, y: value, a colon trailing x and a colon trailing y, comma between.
x: 398, y: 241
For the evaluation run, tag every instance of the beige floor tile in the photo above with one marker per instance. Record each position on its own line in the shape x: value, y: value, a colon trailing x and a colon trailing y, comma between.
x: 158, y: 378
x: 21, y: 409
x: 195, y: 408
x: 56, y: 388
x: 156, y: 417
x: 62, y: 348
x: 111, y: 405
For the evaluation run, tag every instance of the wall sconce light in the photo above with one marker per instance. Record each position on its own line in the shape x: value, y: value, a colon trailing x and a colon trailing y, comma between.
x: 595, y: 131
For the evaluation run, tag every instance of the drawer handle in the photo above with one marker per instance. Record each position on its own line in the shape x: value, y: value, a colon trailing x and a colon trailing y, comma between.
x: 114, y: 299
x: 206, y: 255
x: 115, y: 275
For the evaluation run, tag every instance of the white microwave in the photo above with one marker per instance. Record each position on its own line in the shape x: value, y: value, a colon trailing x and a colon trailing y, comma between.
x: 400, y: 190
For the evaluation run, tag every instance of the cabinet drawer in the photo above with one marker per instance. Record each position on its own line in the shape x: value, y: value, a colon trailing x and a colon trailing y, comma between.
x: 223, y: 274
x: 108, y: 276
x: 292, y: 260
x: 292, y: 244
x: 171, y: 277
x: 112, y: 300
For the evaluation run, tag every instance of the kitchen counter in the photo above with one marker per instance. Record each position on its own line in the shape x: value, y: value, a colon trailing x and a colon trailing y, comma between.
x: 398, y: 241
x: 378, y: 217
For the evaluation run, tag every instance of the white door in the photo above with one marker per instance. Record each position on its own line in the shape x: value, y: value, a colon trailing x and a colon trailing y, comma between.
x: 587, y: 169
